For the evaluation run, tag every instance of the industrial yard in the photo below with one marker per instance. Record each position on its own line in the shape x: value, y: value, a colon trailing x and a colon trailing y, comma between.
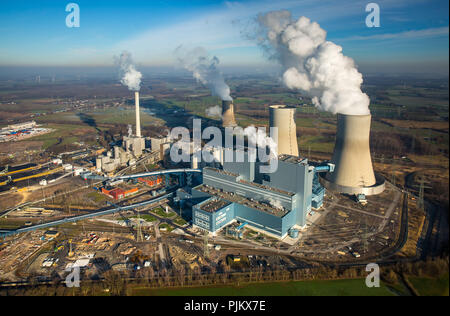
x: 99, y: 193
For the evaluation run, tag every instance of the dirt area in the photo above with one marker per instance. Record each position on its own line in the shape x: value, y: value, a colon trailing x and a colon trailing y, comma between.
x: 37, y: 193
x: 416, y: 221
x: 19, y: 147
x: 344, y: 223
x: 442, y: 126
x: 18, y: 252
x: 181, y: 257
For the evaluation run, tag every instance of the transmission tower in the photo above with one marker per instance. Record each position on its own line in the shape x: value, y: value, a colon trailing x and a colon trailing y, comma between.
x: 422, y: 187
x: 139, y: 237
x: 393, y: 174
x: 366, y: 235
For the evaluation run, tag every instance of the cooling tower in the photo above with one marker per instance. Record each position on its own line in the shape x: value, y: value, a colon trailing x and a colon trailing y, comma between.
x: 138, y: 115
x: 228, y: 119
x: 283, y: 117
x: 353, y: 173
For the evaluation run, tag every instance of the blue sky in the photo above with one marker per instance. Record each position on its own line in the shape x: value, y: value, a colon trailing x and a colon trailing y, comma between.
x: 413, y: 33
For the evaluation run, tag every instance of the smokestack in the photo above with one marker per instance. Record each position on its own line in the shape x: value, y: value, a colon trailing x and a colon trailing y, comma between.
x: 138, y: 115
x: 353, y: 173
x: 283, y: 118
x: 228, y: 119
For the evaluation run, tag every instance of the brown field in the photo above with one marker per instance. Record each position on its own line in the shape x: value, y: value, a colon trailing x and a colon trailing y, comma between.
x: 443, y: 126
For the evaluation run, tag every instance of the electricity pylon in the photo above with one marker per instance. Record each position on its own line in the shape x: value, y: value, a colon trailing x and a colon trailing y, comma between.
x: 205, y: 241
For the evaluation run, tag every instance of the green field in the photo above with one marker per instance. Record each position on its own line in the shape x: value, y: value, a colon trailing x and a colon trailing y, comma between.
x: 431, y: 287
x: 146, y: 217
x: 166, y: 227
x: 356, y: 287
x: 180, y: 221
x: 162, y: 213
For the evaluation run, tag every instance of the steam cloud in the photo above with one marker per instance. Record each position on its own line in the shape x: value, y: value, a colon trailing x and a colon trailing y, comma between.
x: 258, y: 137
x: 275, y: 203
x: 312, y: 64
x: 130, y: 77
x: 214, y: 111
x: 205, y: 70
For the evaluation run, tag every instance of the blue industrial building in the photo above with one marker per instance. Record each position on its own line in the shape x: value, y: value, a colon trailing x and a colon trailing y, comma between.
x: 276, y: 204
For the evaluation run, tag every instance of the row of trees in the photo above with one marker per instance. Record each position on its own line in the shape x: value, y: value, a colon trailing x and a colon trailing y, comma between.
x: 121, y: 283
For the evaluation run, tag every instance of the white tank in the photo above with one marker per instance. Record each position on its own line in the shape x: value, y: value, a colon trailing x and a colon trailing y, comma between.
x: 283, y: 118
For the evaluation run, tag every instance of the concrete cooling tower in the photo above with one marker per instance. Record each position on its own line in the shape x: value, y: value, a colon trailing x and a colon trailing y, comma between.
x: 353, y: 173
x: 283, y: 117
x: 228, y: 119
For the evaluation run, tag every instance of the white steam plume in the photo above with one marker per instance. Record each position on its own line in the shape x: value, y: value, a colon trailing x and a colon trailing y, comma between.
x: 129, y: 76
x: 312, y: 64
x: 258, y: 137
x: 205, y: 70
x: 214, y: 111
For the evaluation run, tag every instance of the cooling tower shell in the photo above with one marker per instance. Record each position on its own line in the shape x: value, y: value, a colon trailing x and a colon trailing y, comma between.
x: 228, y: 119
x: 353, y: 173
x: 283, y: 118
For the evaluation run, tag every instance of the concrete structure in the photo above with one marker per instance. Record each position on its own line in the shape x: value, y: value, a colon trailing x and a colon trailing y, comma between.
x: 353, y: 172
x: 228, y: 119
x: 132, y: 149
x: 134, y: 145
x: 156, y: 142
x: 283, y: 118
x: 271, y: 203
x: 138, y: 115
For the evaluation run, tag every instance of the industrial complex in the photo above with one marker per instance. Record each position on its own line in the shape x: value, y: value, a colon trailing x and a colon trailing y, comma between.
x: 276, y: 204
x: 127, y: 207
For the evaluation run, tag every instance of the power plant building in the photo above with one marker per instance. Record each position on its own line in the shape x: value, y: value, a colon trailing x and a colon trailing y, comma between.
x: 274, y: 204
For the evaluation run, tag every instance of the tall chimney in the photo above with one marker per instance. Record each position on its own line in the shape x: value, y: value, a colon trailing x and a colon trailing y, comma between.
x: 228, y: 119
x: 353, y: 173
x: 283, y: 118
x: 138, y: 114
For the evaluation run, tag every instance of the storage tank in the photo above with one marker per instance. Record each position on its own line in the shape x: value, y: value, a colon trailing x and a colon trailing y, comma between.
x: 353, y: 173
x: 283, y: 118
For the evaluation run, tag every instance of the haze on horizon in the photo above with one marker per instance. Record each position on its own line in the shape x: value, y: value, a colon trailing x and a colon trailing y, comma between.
x: 413, y: 37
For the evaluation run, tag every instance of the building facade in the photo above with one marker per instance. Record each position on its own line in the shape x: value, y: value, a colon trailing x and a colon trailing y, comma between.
x: 273, y: 203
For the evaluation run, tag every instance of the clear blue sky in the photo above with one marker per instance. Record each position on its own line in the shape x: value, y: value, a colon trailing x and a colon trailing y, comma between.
x: 413, y: 33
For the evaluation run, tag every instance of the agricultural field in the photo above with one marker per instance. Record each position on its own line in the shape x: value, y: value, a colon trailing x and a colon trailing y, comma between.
x: 431, y: 287
x: 356, y: 287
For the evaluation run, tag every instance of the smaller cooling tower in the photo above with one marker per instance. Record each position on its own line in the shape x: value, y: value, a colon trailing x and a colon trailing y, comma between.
x: 283, y: 118
x: 228, y: 119
x: 138, y: 114
x: 353, y: 173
